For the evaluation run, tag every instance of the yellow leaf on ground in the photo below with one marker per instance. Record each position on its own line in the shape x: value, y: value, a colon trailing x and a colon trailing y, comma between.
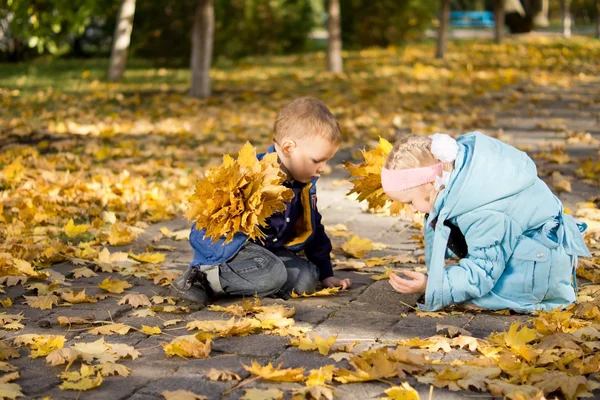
x: 136, y: 300
x: 73, y: 320
x: 188, y: 346
x: 183, y: 234
x: 431, y: 314
x: 84, y: 383
x: 42, y: 302
x: 114, y: 285
x: 151, y: 330
x: 271, y: 373
x: 262, y: 394
x: 321, y: 376
x: 222, y: 375
x: 111, y: 368
x: 358, y: 247
x: 75, y: 297
x: 322, y: 292
x: 72, y: 230
x: 40, y: 345
x: 181, y: 395
x: 121, y: 234
x: 317, y: 343
x: 83, y: 272
x: 10, y: 391
x: 314, y: 392
x: 152, y: 258
x: 404, y: 392
x: 111, y: 329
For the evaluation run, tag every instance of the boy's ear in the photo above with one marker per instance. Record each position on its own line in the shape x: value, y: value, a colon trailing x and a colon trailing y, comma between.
x: 287, y: 147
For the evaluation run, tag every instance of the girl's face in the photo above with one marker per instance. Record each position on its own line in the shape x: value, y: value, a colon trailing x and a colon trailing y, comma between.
x: 417, y: 198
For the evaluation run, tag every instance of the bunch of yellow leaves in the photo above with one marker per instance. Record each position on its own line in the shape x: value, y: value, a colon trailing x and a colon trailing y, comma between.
x: 239, y: 196
x: 366, y: 178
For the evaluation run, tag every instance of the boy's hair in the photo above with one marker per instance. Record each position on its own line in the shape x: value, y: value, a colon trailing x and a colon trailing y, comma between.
x: 306, y: 116
x: 414, y: 151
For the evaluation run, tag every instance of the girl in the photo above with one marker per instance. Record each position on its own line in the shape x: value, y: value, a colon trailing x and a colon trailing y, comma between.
x: 486, y: 206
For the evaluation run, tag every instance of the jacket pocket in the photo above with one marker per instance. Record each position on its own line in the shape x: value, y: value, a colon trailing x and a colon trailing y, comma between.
x: 527, y: 273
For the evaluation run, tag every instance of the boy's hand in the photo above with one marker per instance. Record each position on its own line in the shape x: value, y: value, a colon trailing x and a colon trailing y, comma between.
x: 332, y: 281
x: 416, y: 284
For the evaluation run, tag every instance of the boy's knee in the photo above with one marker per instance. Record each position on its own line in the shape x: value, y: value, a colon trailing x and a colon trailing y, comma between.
x: 307, y: 280
x: 277, y: 276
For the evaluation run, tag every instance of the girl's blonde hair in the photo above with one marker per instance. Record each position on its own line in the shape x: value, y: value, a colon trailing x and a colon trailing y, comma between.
x: 414, y: 151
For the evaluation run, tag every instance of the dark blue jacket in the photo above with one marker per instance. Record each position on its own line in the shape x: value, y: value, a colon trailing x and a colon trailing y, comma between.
x: 308, y: 234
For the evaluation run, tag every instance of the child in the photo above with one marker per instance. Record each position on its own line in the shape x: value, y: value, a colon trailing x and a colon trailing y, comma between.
x: 488, y: 207
x: 306, y: 136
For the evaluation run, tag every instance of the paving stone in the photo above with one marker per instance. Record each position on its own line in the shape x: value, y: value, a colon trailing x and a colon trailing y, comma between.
x: 349, y: 325
x: 252, y: 345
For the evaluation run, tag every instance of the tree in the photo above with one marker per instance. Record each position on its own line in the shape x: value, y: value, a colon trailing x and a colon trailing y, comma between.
x: 443, y: 29
x: 121, y: 40
x: 565, y: 18
x: 334, y: 42
x: 539, y: 10
x: 598, y: 19
x: 498, y: 20
x: 202, y: 45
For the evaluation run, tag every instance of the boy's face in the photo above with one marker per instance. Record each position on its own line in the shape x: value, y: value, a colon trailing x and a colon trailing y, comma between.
x: 305, y: 158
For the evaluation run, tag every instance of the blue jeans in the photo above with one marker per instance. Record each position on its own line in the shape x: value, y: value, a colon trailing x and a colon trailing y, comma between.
x: 256, y: 271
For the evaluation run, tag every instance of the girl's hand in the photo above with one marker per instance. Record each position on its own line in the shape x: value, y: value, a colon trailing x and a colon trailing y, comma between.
x: 416, y: 284
x: 332, y: 281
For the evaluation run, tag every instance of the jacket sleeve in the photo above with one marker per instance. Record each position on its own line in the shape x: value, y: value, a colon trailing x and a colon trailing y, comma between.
x: 318, y: 250
x: 476, y: 275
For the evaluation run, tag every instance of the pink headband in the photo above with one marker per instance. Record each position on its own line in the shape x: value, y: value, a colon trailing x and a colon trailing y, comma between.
x: 395, y: 180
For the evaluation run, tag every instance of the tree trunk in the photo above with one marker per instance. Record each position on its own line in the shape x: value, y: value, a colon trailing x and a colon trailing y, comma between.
x: 566, y: 18
x: 498, y: 20
x: 540, y: 13
x: 598, y: 19
x: 202, y: 45
x: 121, y: 40
x: 443, y: 29
x: 334, y: 42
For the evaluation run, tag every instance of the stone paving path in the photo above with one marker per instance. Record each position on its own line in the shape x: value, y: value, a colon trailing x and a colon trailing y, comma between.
x: 371, y: 312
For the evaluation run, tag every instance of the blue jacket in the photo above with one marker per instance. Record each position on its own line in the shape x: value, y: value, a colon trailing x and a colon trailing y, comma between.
x: 309, y: 235
x: 522, y: 248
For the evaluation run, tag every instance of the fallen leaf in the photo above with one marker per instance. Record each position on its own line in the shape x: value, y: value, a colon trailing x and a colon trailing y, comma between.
x: 222, y: 375
x: 148, y: 330
x: 322, y: 292
x: 114, y: 285
x: 262, y: 394
x: 358, y: 247
x: 181, y: 395
x: 385, y: 275
x: 135, y: 300
x: 271, y: 373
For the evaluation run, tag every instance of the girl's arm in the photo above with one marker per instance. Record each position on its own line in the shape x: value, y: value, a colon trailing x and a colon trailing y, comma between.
x: 476, y: 274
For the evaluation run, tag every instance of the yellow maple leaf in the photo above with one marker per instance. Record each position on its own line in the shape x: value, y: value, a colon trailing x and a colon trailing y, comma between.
x: 404, y: 392
x: 136, y: 300
x: 183, y: 234
x: 222, y: 375
x: 188, y: 346
x: 231, y: 327
x: 72, y: 230
x: 40, y: 345
x: 322, y: 292
x: 75, y: 297
x: 366, y: 177
x: 114, y: 285
x: 239, y: 196
x: 321, y: 376
x: 121, y: 234
x: 111, y: 368
x: 151, y: 330
x: 385, y: 275
x: 111, y: 329
x: 10, y: 391
x: 317, y: 343
x: 358, y: 247
x: 152, y: 258
x: 181, y: 395
x: 42, y: 302
x: 515, y: 338
x: 269, y: 372
x: 83, y: 272
x: 262, y: 394
x: 83, y: 382
x: 320, y: 392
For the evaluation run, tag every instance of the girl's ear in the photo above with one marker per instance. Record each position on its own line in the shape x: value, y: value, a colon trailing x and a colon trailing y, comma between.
x: 287, y: 147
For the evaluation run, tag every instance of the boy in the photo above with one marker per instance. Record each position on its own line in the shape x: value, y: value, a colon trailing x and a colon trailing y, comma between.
x: 306, y: 136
